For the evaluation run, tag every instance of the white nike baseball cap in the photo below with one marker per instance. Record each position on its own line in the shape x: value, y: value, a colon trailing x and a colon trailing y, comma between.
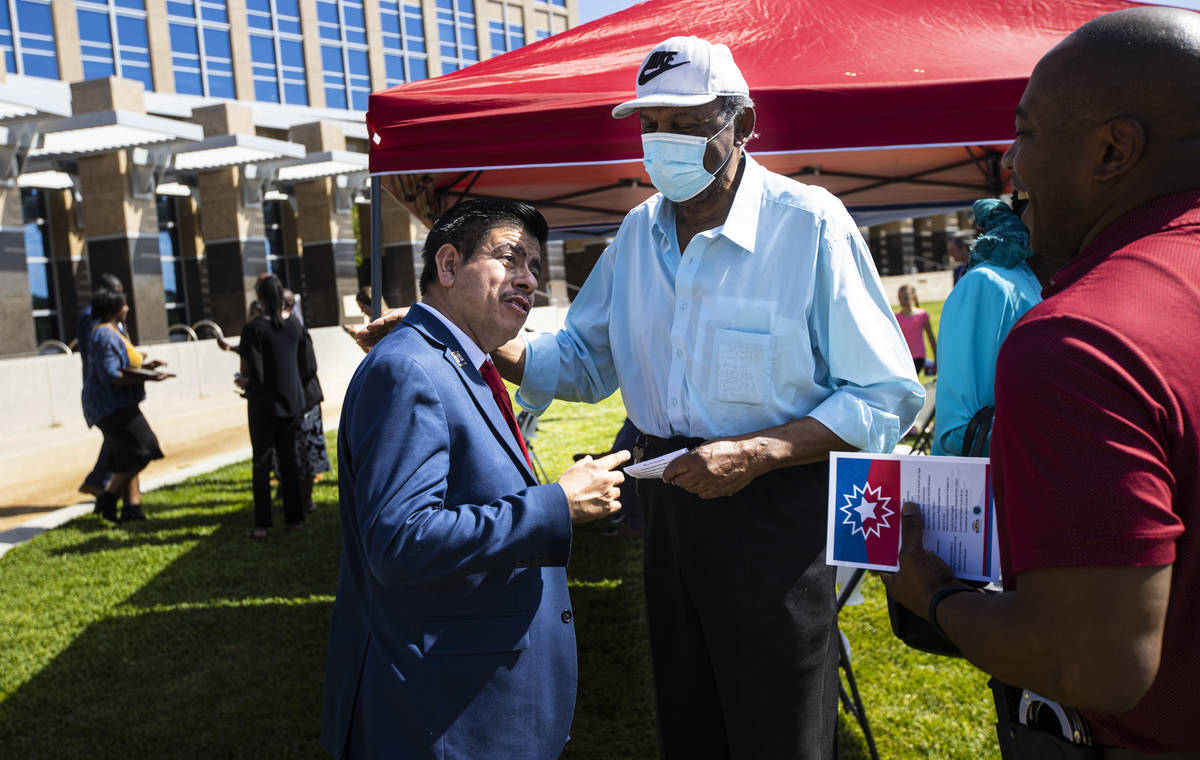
x: 684, y: 71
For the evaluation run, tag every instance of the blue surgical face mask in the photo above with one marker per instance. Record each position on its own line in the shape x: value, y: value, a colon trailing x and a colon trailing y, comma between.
x: 675, y: 163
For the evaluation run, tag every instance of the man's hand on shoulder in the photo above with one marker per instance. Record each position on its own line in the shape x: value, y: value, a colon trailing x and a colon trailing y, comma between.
x: 370, y: 334
x: 591, y: 486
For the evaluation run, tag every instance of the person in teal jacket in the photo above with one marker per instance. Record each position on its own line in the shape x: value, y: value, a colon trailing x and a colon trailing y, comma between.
x: 990, y: 298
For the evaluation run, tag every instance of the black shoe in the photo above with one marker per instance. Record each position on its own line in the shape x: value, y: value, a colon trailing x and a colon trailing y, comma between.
x: 106, y: 506
x: 131, y: 513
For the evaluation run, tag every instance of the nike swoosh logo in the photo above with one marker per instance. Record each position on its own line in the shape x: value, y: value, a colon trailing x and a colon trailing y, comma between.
x: 646, y: 75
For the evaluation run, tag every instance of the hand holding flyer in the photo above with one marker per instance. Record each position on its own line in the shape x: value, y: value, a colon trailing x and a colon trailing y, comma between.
x: 955, y: 496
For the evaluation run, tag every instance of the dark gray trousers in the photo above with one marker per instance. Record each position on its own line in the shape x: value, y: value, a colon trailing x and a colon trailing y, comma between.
x: 742, y: 617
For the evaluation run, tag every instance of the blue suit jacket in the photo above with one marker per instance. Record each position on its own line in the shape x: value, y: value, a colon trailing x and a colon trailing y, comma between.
x: 451, y: 633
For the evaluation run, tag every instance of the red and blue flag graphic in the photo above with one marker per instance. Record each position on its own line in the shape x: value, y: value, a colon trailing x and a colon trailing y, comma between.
x: 866, y: 511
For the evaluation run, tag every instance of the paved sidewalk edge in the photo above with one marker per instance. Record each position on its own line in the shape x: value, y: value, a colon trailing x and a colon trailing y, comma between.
x: 44, y: 522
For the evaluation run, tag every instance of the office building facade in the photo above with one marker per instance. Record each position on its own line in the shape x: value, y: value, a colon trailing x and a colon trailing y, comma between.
x: 297, y: 71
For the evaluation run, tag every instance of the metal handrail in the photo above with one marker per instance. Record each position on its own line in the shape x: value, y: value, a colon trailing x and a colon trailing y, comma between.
x: 216, y: 328
x: 181, y: 326
x: 56, y: 344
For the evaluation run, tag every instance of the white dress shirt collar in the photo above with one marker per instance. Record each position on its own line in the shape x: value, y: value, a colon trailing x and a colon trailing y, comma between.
x: 741, y: 224
x: 475, y: 354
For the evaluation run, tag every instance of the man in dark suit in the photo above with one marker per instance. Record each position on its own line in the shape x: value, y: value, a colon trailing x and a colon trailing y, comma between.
x: 452, y: 632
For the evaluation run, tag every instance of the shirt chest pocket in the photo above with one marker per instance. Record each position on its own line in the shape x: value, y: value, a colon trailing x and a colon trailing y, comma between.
x: 741, y: 366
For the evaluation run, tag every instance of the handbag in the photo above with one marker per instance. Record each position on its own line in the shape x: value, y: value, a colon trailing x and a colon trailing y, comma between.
x: 915, y: 631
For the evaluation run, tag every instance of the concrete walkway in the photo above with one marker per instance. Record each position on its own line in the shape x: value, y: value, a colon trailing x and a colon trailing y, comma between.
x: 41, y: 478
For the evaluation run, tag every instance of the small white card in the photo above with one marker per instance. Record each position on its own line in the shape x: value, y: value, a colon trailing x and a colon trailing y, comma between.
x: 653, y: 468
x: 955, y: 496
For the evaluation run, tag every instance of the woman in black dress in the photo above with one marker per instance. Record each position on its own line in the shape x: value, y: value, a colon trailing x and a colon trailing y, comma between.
x: 273, y: 362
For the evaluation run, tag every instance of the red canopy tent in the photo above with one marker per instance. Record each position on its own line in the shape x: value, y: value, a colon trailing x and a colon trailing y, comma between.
x: 888, y: 103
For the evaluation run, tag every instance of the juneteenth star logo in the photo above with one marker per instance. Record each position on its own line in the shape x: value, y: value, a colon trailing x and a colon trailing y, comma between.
x: 867, y: 511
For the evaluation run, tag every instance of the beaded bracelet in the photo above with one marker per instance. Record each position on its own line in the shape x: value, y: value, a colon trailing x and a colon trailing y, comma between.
x: 937, y: 598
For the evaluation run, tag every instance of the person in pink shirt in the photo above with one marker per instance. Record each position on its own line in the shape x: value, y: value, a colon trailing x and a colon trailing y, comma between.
x: 913, y: 322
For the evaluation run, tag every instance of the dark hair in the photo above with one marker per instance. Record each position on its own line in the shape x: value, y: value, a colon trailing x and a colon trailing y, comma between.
x: 465, y: 225
x: 106, y: 304
x: 364, y: 297
x: 270, y: 297
x: 110, y: 281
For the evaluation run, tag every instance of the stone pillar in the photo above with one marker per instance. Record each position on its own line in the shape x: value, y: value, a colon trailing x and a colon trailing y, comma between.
x: 66, y: 38
x: 16, y: 319
x: 403, y: 239
x: 192, y: 253
x: 944, y: 225
x: 74, y: 277
x: 923, y: 244
x: 554, y: 277
x: 433, y: 41
x: 327, y: 240
x: 235, y: 241
x: 122, y: 228
x: 239, y: 40
x: 579, y: 259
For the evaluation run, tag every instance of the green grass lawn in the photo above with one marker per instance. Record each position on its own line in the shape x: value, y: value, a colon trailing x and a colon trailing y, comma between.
x: 179, y: 637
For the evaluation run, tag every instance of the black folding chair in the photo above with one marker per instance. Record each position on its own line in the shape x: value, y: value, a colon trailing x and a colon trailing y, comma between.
x: 851, y: 700
x: 923, y: 424
x: 527, y: 423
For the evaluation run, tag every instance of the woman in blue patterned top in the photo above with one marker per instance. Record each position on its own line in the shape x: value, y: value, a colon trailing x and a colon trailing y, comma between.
x: 113, y: 387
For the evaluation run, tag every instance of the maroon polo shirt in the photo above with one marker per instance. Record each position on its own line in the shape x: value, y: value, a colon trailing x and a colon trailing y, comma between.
x: 1097, y: 439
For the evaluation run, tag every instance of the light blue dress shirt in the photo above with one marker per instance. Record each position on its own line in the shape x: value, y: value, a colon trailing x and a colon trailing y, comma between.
x: 775, y: 315
x: 981, y: 309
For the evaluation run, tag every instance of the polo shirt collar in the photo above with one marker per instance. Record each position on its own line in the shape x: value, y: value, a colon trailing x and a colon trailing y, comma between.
x: 474, y: 353
x: 1175, y: 210
x: 741, y: 224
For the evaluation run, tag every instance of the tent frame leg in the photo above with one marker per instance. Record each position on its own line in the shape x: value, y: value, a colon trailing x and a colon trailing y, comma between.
x: 376, y: 248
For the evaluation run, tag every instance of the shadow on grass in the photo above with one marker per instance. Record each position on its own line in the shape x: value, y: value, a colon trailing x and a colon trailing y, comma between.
x: 614, y: 711
x: 216, y: 682
x: 221, y: 654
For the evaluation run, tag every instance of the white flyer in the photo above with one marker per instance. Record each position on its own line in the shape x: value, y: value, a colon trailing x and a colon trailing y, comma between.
x: 653, y: 468
x: 866, y: 492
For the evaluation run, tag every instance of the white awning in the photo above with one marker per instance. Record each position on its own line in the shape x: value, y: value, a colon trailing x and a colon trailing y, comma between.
x: 108, y: 131
x: 325, y: 164
x: 224, y: 151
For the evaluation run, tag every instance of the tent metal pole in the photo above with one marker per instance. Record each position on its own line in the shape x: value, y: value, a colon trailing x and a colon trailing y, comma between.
x: 376, y: 248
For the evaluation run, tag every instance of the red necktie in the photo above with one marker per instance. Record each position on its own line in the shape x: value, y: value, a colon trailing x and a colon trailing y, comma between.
x: 492, y: 377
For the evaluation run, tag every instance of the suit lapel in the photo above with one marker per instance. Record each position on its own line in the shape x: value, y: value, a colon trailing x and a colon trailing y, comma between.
x: 473, y: 382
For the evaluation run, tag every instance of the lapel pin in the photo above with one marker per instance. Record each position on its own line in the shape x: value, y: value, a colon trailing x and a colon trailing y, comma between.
x: 458, y: 358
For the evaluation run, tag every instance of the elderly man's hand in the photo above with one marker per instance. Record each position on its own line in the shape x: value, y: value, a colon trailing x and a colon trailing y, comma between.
x: 921, y: 572
x: 370, y: 334
x: 716, y: 468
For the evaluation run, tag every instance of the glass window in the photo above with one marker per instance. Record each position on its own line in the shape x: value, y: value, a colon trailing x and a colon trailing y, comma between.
x: 404, y: 41
x: 27, y: 38
x: 496, y: 32
x: 101, y: 22
x: 507, y: 33
x: 46, y: 323
x: 346, y: 72
x: 200, y: 52
x: 277, y: 52
x: 276, y: 251
x: 7, y: 52
x: 171, y: 263
x: 456, y: 34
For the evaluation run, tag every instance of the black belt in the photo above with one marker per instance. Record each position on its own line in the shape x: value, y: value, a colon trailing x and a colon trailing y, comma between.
x: 651, y: 446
